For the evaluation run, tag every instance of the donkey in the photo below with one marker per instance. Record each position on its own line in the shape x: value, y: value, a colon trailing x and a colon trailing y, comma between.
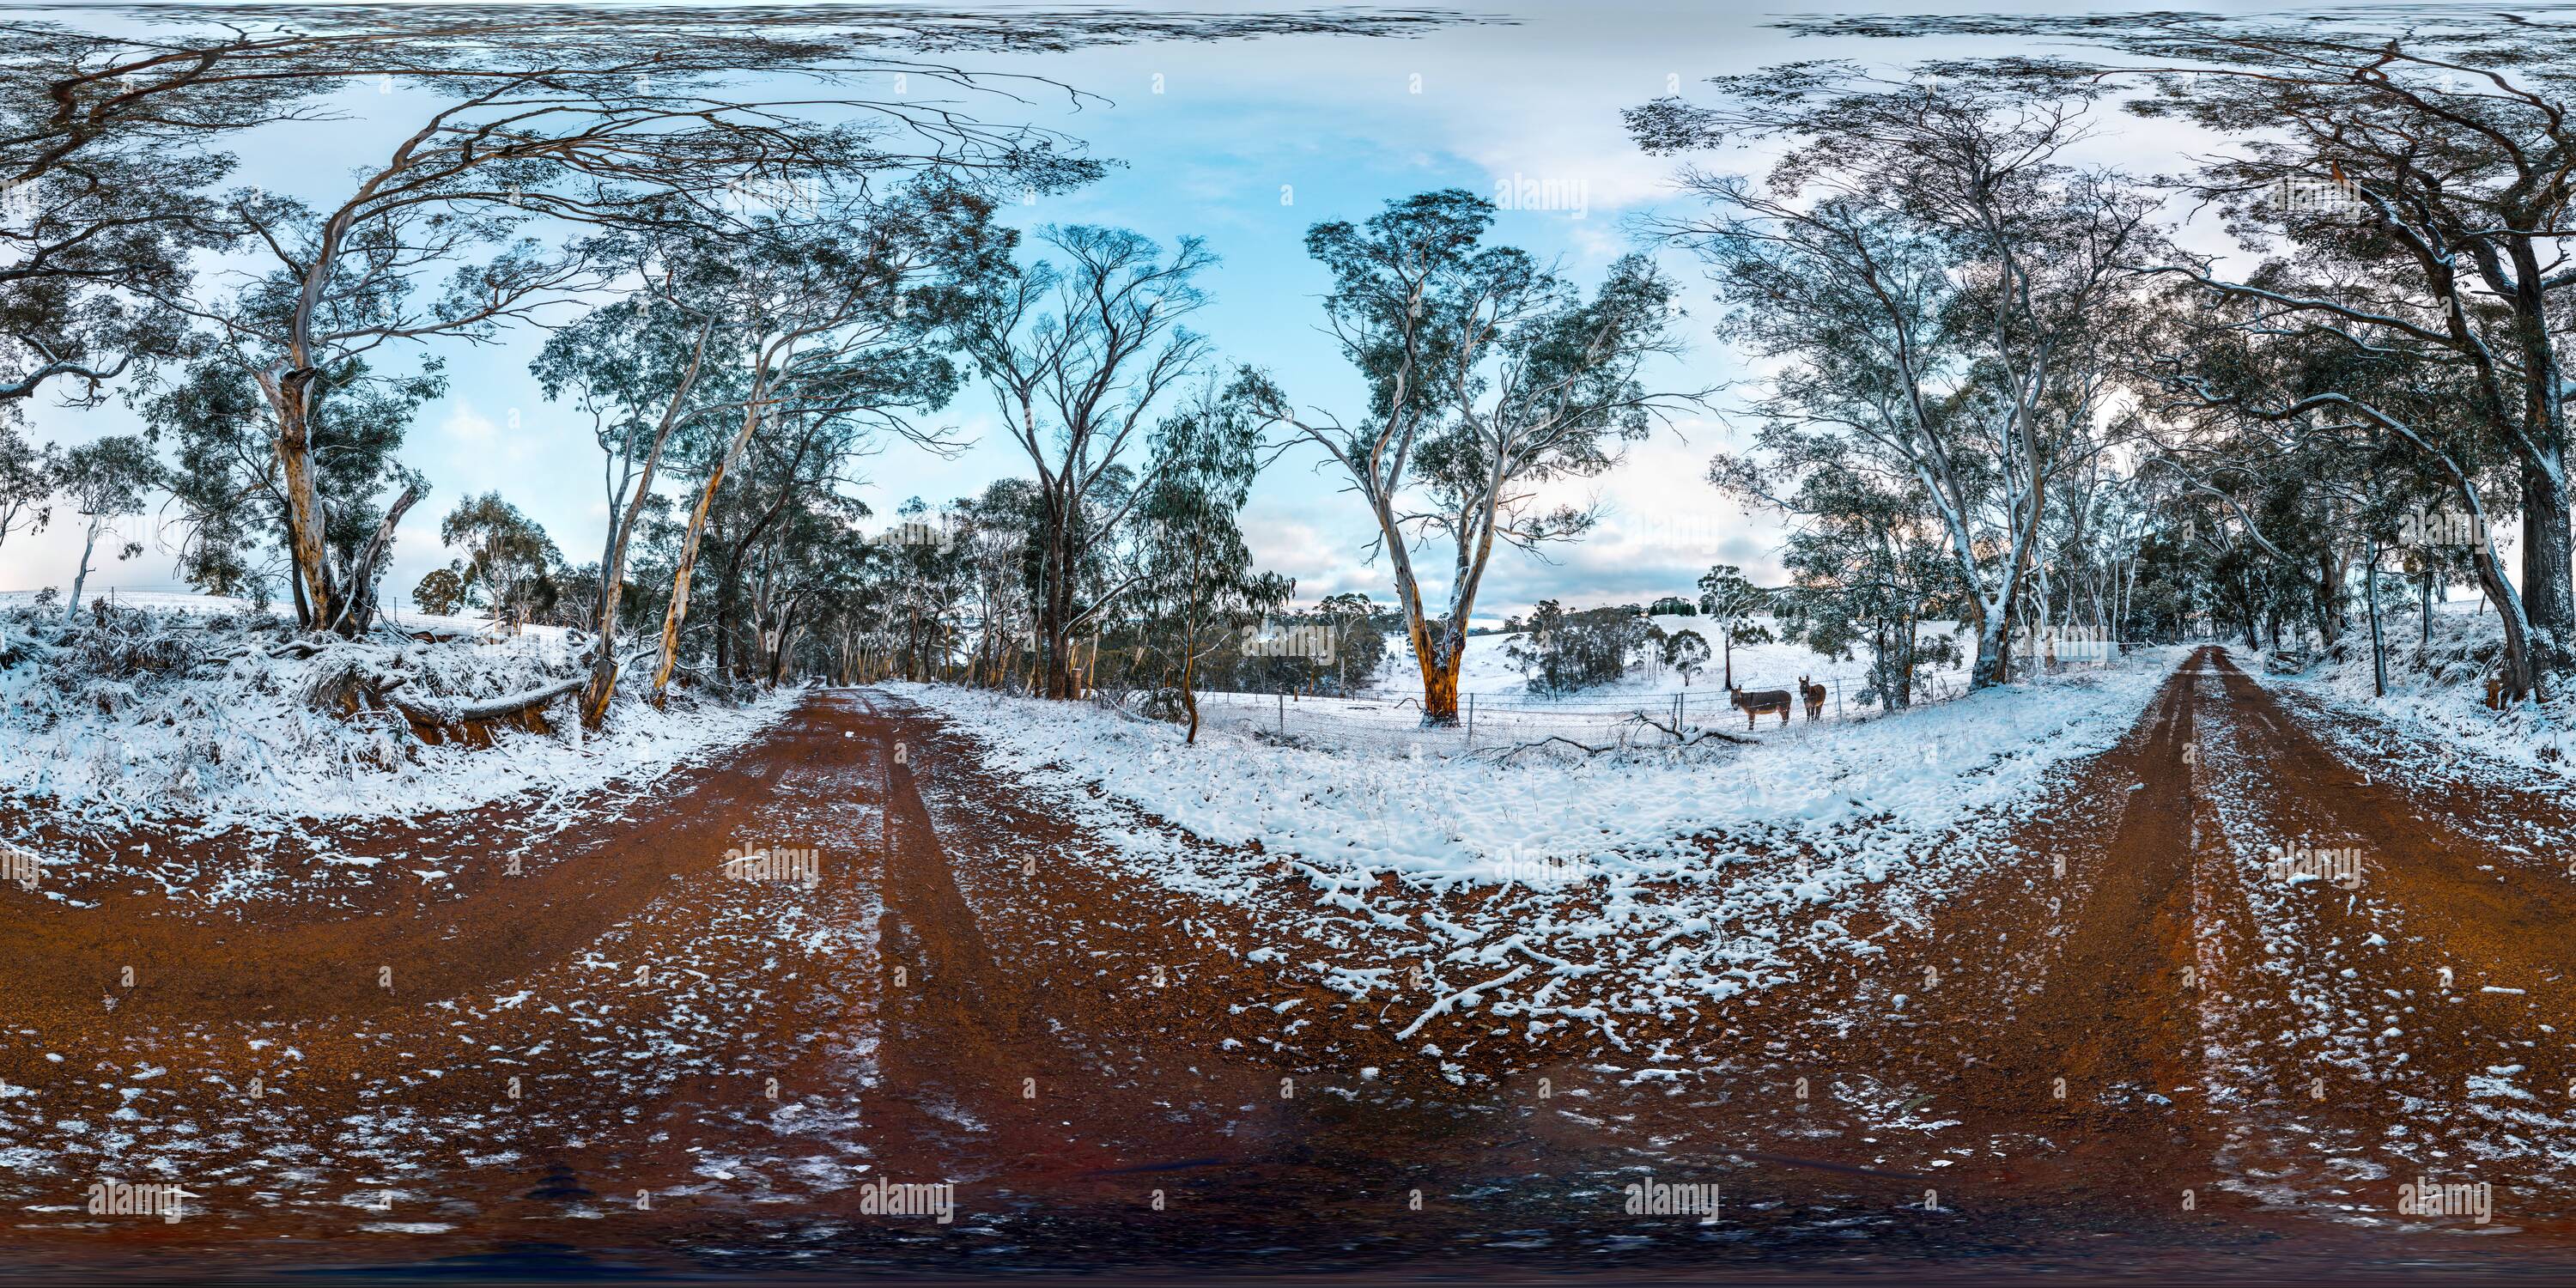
x: 1759, y: 702
x: 1815, y: 696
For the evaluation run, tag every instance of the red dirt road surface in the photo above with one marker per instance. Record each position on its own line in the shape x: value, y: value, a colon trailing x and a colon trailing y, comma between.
x: 972, y: 1044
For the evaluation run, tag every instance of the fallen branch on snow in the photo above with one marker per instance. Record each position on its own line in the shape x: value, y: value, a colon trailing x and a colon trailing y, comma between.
x: 508, y: 704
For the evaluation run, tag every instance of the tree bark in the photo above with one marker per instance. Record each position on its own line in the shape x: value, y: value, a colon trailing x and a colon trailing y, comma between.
x: 71, y: 611
x: 733, y: 557
x: 1993, y: 640
x: 2378, y: 648
x: 678, y: 611
x: 363, y: 574
x: 290, y: 396
x: 1440, y: 690
x: 2548, y: 563
x: 621, y: 531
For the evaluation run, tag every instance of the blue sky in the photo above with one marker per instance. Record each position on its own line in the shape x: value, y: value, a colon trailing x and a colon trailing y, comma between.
x: 1244, y: 144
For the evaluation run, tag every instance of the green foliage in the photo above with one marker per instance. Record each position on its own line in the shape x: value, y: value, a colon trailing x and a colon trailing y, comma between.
x: 440, y: 593
x: 1686, y: 651
x: 1563, y: 652
x: 1731, y: 602
x: 508, y: 558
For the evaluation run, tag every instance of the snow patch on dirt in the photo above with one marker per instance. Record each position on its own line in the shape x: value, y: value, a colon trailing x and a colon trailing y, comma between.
x: 1567, y: 891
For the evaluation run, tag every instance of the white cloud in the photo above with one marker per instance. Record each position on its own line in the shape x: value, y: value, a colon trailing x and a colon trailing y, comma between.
x: 467, y: 425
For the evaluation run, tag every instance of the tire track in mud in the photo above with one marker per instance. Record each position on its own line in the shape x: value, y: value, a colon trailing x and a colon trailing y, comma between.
x: 679, y: 1034
x: 2310, y: 1062
x: 2065, y: 1037
x: 1158, y: 1053
x: 2422, y: 1027
x: 193, y: 963
x: 2208, y: 1081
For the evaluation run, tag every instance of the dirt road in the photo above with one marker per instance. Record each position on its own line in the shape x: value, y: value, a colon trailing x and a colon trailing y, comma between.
x: 596, y: 1048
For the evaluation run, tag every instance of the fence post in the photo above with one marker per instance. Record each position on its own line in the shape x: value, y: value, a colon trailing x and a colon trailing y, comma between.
x: 1677, y: 716
x: 1283, y: 713
x: 1838, y: 699
x: 1471, y: 722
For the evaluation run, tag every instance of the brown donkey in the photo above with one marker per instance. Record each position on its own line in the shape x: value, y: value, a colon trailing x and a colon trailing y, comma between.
x: 1759, y: 702
x: 1815, y: 696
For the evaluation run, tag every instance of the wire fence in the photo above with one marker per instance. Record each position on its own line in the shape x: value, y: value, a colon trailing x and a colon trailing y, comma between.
x: 1500, y: 723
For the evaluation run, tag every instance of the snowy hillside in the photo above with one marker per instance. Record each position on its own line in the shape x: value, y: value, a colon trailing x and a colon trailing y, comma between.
x: 2439, y: 704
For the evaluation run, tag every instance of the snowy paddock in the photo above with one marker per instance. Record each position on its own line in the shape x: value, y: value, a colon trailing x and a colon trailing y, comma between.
x: 1578, y: 888
x: 1497, y: 712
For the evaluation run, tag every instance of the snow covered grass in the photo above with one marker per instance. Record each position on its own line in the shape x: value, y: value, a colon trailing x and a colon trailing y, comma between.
x: 1757, y: 666
x: 2439, y: 706
x: 1388, y: 719
x: 1632, y: 883
x: 202, y: 712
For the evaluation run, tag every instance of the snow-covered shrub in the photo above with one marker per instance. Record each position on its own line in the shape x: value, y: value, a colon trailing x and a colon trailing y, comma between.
x: 233, y: 713
x: 2437, y: 689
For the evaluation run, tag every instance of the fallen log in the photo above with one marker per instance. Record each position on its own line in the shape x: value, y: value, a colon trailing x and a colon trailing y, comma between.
x: 503, y: 707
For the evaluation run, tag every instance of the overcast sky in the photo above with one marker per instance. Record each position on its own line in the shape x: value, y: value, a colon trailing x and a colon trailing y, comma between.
x: 1244, y: 144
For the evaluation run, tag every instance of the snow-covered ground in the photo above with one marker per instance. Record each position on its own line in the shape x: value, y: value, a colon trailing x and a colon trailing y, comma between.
x: 1488, y: 669
x: 1498, y: 711
x: 469, y: 624
x: 182, y: 709
x: 1701, y: 871
x: 2438, y: 707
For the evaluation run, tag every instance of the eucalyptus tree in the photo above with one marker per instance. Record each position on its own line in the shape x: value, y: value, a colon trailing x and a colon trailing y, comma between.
x: 995, y: 532
x: 1935, y: 280
x: 103, y: 481
x: 26, y: 483
x: 452, y: 235
x: 110, y: 148
x: 1488, y: 376
x: 845, y: 321
x: 2404, y: 188
x: 1077, y: 356
x: 507, y: 555
x: 2413, y: 200
x: 791, y: 489
x: 228, y: 487
x: 1198, y: 584
x: 642, y: 367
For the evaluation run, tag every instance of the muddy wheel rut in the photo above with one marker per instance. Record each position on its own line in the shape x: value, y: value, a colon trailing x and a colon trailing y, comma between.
x: 621, y: 1051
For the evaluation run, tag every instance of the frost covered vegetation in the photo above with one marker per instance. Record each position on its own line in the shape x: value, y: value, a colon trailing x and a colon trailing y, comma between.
x: 2436, y: 703
x: 1583, y: 890
x: 233, y: 717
